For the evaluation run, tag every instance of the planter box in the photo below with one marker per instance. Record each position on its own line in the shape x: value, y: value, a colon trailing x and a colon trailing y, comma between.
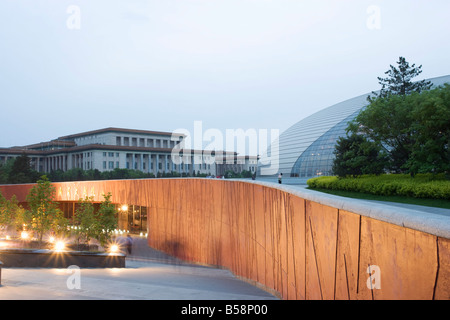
x: 29, y: 258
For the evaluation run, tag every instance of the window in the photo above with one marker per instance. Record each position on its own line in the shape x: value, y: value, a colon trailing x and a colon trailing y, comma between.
x: 104, y: 164
x: 104, y: 154
x: 110, y: 154
x: 111, y: 165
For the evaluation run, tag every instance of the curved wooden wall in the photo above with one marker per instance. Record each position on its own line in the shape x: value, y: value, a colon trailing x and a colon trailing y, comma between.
x: 296, y: 247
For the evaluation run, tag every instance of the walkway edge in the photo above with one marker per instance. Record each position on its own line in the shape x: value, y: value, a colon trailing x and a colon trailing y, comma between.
x: 434, y: 224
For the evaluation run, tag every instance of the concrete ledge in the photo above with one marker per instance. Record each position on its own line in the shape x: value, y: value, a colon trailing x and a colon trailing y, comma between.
x: 29, y: 258
x: 434, y: 224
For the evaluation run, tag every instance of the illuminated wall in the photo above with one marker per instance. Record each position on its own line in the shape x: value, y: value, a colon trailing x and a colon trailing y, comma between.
x: 291, y: 241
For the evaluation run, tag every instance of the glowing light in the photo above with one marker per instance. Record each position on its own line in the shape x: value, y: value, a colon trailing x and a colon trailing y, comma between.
x: 60, y: 245
x: 124, y: 207
x: 114, y: 248
x: 51, y: 239
x: 24, y: 235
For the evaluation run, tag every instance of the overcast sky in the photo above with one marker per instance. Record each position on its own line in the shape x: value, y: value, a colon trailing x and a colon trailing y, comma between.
x: 73, y: 66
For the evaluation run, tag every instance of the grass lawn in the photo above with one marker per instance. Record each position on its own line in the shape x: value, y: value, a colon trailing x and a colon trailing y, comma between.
x: 416, y: 201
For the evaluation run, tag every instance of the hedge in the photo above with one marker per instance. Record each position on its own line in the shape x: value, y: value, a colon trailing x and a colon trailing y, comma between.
x: 421, y: 186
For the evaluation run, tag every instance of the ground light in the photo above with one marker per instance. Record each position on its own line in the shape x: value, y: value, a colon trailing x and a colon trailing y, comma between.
x: 24, y: 235
x: 59, y: 246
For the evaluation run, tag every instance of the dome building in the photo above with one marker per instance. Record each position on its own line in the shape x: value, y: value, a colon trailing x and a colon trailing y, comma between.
x: 306, y: 149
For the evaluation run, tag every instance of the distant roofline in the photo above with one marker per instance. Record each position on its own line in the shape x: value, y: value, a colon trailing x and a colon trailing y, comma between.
x: 56, y: 142
x: 105, y: 147
x: 121, y: 130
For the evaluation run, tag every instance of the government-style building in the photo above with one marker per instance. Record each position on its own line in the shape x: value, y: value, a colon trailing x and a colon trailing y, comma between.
x: 110, y: 148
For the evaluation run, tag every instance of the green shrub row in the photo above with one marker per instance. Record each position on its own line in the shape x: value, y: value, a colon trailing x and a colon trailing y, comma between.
x: 421, y: 186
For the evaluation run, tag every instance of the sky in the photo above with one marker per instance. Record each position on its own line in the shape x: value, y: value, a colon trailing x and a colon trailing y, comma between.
x: 73, y: 66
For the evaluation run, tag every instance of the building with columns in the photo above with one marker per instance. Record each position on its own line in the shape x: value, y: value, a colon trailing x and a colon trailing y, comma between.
x: 110, y: 148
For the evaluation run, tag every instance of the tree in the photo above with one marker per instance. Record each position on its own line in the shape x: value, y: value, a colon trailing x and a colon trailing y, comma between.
x: 431, y: 131
x: 399, y: 80
x: 356, y: 155
x: 414, y: 130
x: 5, y: 169
x: 6, y: 214
x: 21, y: 171
x: 85, y: 221
x: 395, y: 119
x: 107, y: 220
x: 11, y: 213
x: 388, y: 121
x: 44, y: 212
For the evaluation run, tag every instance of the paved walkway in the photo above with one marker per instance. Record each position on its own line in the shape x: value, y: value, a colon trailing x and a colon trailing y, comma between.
x: 149, y: 275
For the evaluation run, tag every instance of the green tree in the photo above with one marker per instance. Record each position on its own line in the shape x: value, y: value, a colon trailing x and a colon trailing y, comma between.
x: 107, y: 220
x: 5, y: 169
x: 21, y: 171
x: 44, y: 212
x: 12, y: 215
x: 412, y: 129
x: 431, y: 131
x: 356, y: 155
x: 85, y: 221
x: 5, y: 214
x: 390, y: 121
x: 399, y: 80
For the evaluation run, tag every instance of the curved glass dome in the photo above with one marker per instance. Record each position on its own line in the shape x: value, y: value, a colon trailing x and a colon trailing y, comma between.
x: 318, y: 158
x: 306, y: 149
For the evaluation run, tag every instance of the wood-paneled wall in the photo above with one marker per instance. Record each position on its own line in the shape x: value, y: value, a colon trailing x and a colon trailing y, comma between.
x: 295, y: 247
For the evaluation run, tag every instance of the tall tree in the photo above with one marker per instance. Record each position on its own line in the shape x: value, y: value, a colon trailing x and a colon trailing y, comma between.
x: 85, y: 220
x: 107, y: 220
x: 399, y: 80
x: 44, y: 211
x: 21, y: 171
x: 431, y: 131
x: 413, y: 129
x: 388, y: 120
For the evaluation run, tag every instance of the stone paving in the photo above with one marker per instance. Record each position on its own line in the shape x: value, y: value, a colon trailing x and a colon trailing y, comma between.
x: 149, y: 275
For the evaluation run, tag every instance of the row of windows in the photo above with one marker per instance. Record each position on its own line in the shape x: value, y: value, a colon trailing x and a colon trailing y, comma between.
x: 110, y: 154
x: 145, y: 142
x: 112, y: 165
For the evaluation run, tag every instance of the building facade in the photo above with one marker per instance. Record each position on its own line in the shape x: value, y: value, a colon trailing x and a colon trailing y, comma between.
x: 110, y: 148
